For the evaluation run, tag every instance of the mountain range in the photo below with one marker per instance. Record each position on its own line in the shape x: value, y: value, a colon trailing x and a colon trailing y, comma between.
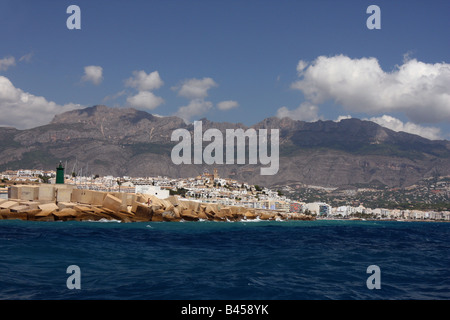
x: 129, y: 142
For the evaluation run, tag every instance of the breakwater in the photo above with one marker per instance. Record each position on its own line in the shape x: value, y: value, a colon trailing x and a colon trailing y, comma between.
x: 65, y: 203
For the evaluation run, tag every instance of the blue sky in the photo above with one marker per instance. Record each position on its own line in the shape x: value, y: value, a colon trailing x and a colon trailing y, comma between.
x: 236, y: 61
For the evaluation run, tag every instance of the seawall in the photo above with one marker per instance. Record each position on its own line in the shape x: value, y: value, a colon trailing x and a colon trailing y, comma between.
x: 47, y: 202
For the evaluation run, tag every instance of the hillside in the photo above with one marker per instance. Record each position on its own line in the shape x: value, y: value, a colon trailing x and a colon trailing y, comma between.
x: 114, y: 141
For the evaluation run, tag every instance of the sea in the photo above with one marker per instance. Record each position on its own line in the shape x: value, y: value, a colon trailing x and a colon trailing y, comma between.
x: 206, y: 260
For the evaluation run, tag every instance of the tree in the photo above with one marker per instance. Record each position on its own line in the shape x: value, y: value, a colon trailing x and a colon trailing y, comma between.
x: 44, y: 179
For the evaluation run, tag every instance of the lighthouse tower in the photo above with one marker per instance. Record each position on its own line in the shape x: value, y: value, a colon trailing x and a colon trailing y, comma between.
x: 60, y: 174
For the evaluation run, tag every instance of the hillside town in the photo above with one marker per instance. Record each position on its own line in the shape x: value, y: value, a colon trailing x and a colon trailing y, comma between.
x: 210, y: 188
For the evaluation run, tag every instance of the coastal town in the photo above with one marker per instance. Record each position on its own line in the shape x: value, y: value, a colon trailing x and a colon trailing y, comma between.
x: 211, y: 189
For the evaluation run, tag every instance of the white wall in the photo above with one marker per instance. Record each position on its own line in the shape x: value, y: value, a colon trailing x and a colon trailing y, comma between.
x: 152, y: 190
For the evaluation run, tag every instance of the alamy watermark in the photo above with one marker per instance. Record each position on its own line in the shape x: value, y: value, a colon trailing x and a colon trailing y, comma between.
x: 374, y: 21
x: 235, y: 147
x: 74, y: 280
x: 73, y: 22
x: 374, y: 281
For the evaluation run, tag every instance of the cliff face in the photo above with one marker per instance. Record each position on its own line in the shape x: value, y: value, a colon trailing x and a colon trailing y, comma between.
x: 113, y: 141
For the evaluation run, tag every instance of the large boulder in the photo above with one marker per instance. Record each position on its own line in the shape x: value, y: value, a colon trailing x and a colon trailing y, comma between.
x: 88, y: 216
x: 250, y: 215
x: 8, y: 204
x: 7, y: 214
x: 113, y: 215
x: 112, y: 203
x: 224, y: 213
x: 143, y: 212
x: 20, y: 208
x: 31, y: 215
x: 171, y: 216
x: 47, y: 209
x: 189, y: 215
x: 212, y: 208
x: 157, y: 215
x: 45, y: 215
x: 176, y: 202
x: 267, y: 215
x: 65, y: 214
x: 202, y: 215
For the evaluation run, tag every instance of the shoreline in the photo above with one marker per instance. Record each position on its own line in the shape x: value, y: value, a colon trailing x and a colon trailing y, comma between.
x: 373, y: 219
x: 44, y: 203
x: 67, y: 203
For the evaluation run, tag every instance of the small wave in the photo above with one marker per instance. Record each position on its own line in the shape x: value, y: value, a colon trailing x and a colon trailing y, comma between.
x: 103, y: 220
x: 252, y: 220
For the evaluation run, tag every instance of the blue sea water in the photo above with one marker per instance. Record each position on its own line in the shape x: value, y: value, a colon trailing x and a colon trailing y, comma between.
x: 267, y: 260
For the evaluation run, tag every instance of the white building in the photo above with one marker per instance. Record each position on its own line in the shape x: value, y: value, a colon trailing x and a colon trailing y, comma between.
x: 153, y: 190
x: 319, y: 208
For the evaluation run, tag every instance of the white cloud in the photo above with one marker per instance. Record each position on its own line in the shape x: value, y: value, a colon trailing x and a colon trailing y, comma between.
x: 93, y: 74
x: 7, y: 62
x: 145, y: 100
x: 195, y: 108
x: 305, y: 112
x: 395, y: 124
x: 23, y: 110
x: 144, y: 82
x: 342, y: 118
x: 196, y: 88
x: 114, y: 96
x: 27, y: 57
x: 301, y: 66
x: 419, y: 90
x: 227, y: 105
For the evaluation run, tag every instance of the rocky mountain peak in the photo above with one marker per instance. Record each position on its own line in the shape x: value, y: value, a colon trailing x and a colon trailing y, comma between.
x: 126, y: 141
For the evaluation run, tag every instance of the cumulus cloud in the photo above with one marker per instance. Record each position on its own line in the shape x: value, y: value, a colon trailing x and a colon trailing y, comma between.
x: 419, y: 90
x: 227, y: 105
x: 144, y: 82
x: 145, y: 100
x: 93, y: 74
x: 24, y: 110
x: 387, y: 121
x: 395, y: 124
x: 301, y: 66
x: 195, y: 108
x: 7, y: 62
x: 305, y: 112
x: 195, y: 88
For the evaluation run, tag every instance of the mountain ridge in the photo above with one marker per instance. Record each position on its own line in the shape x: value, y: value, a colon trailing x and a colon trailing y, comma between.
x: 119, y: 141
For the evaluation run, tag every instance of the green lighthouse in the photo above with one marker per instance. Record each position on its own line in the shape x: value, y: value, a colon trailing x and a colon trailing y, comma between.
x: 60, y: 174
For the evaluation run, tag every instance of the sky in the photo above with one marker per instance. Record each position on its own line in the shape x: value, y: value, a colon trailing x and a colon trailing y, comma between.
x: 229, y: 60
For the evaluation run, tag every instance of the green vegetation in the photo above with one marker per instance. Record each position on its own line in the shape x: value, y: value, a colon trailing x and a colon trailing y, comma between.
x: 179, y: 191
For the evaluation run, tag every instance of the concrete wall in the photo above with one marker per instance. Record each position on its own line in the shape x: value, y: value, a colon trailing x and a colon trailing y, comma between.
x: 46, y: 193
x: 30, y: 193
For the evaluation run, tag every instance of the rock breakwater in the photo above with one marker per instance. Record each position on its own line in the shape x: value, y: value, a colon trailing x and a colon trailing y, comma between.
x: 40, y: 203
